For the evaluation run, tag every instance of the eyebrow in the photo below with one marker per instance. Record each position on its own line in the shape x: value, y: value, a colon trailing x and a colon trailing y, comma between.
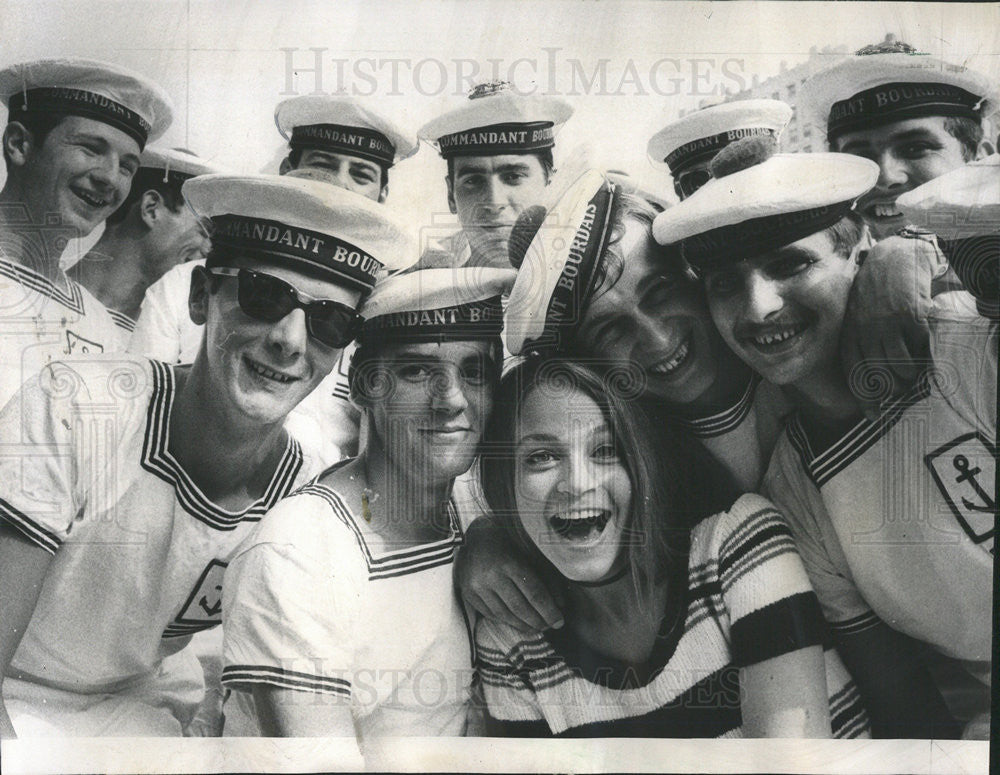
x: 535, y: 437
x: 789, y: 252
x: 513, y: 167
x: 597, y: 324
x: 909, y: 134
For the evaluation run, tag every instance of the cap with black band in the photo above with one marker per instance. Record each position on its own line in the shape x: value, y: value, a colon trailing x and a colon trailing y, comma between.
x: 758, y: 202
x: 120, y: 98
x: 495, y: 121
x: 558, y: 267
x: 334, y: 234
x: 434, y: 305
x: 698, y: 136
x: 342, y: 124
x: 891, y: 82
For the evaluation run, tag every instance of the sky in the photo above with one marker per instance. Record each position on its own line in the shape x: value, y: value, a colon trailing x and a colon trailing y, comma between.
x: 627, y: 68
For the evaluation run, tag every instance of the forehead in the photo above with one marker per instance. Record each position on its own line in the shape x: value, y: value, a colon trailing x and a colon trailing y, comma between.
x: 818, y: 246
x: 71, y: 126
x: 552, y: 410
x: 444, y: 352
x: 302, y: 281
x: 896, y: 131
x: 468, y: 164
x: 642, y: 263
x: 322, y: 155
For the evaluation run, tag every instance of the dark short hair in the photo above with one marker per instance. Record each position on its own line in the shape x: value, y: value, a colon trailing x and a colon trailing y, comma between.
x: 544, y: 158
x: 295, y: 156
x: 147, y: 179
x: 675, y: 484
x: 39, y: 124
x: 846, y: 233
x: 967, y: 131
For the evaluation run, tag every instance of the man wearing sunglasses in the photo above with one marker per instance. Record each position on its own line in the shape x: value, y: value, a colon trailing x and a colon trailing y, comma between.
x: 340, y: 141
x: 136, y: 480
x: 686, y: 147
x: 331, y: 138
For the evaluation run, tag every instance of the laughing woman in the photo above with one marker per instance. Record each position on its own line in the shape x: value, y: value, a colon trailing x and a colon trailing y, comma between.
x: 684, y: 617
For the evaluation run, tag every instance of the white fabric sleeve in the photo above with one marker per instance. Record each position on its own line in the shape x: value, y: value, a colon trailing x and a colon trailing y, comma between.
x: 51, y: 428
x: 800, y: 503
x: 276, y: 632
x: 157, y: 333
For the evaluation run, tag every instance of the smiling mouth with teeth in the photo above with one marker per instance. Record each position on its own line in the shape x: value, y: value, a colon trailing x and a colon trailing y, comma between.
x: 581, y: 525
x: 777, y: 337
x: 91, y: 199
x: 263, y: 371
x: 668, y: 366
x: 884, y: 210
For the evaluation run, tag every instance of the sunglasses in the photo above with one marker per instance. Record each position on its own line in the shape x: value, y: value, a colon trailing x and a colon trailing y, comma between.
x: 689, y: 182
x: 269, y: 298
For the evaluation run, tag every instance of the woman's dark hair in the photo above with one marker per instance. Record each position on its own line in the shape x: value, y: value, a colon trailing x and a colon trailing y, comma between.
x: 674, y: 482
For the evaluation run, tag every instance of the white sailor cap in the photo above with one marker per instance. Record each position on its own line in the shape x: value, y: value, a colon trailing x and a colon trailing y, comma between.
x: 104, y: 92
x: 698, y: 136
x: 176, y: 163
x: 342, y: 124
x: 873, y: 88
x: 336, y: 234
x: 557, y: 251
x: 754, y: 204
x: 436, y: 305
x: 964, y: 202
x: 497, y: 120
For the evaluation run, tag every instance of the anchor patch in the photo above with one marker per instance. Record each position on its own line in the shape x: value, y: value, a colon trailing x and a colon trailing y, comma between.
x: 964, y: 470
x: 203, y: 608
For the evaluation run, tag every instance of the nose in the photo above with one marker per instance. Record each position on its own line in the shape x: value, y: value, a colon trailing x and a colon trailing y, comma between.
x: 652, y: 333
x: 762, y: 297
x: 342, y: 178
x: 289, y: 337
x: 105, y: 169
x: 447, y: 394
x: 892, y: 172
x: 494, y: 199
x: 577, y: 477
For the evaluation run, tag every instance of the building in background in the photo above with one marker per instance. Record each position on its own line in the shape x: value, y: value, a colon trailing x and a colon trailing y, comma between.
x: 785, y: 86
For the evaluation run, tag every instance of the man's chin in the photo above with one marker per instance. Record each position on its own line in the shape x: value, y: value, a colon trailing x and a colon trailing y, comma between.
x: 490, y: 248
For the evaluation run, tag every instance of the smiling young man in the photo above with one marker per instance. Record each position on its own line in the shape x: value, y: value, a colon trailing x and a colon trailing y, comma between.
x: 902, y: 570
x: 334, y: 139
x: 136, y: 480
x: 152, y: 231
x: 75, y: 131
x: 498, y: 146
x: 915, y: 116
x: 388, y: 653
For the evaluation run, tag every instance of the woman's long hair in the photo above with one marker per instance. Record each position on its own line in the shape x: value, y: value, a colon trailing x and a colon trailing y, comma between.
x: 668, y: 495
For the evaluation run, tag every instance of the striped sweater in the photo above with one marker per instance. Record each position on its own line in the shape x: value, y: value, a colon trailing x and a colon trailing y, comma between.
x: 748, y: 600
